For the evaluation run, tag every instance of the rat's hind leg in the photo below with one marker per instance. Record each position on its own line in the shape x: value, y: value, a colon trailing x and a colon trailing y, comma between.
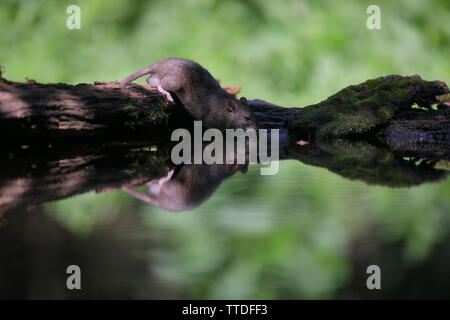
x: 138, y: 195
x: 154, y: 82
x: 166, y: 178
x: 166, y: 93
x: 154, y: 186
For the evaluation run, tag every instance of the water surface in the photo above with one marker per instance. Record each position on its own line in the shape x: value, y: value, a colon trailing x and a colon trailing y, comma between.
x: 303, y: 233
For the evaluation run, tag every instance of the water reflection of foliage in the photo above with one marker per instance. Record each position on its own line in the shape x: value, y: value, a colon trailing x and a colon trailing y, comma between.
x: 285, y: 237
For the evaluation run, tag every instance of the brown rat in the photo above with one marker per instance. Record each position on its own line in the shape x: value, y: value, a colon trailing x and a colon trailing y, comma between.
x: 186, y: 188
x: 199, y: 92
x: 189, y: 185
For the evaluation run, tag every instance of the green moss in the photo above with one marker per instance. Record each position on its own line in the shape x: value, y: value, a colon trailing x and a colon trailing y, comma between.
x: 146, y: 116
x: 143, y: 162
x: 358, y: 109
x: 361, y: 160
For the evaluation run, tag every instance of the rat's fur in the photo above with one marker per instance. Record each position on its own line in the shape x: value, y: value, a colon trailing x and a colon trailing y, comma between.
x: 187, y: 187
x: 199, y: 92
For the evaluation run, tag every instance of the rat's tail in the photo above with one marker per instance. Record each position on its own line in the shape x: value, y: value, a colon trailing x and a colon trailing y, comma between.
x: 137, y: 75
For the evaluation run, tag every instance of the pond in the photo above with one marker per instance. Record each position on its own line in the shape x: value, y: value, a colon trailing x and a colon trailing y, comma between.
x: 310, y: 231
x: 338, y: 220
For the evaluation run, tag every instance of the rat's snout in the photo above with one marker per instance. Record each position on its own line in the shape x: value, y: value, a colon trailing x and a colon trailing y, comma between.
x: 250, y: 121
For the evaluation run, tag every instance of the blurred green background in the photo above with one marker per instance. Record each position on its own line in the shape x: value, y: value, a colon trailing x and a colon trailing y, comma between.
x: 303, y: 233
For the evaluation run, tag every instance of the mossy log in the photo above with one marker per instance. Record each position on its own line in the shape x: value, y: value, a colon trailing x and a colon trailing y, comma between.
x: 367, y: 109
x: 361, y: 160
x: 33, y: 176
x: 48, y: 130
x: 105, y: 111
x: 83, y: 113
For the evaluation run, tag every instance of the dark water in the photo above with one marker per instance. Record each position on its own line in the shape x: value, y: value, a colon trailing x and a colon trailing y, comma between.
x: 310, y: 231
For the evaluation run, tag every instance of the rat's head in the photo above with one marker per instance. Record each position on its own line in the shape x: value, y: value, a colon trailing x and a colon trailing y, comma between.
x: 240, y: 115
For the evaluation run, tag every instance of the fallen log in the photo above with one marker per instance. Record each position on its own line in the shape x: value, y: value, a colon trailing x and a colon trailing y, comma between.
x: 59, y: 140
x: 106, y: 111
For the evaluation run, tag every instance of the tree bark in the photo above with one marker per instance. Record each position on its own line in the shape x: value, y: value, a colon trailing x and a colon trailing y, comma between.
x: 81, y: 113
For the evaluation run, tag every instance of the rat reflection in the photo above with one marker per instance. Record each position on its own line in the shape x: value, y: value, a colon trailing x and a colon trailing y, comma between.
x: 186, y: 186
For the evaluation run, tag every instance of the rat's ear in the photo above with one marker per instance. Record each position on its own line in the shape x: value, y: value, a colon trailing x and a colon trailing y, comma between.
x: 232, y: 106
x: 243, y: 100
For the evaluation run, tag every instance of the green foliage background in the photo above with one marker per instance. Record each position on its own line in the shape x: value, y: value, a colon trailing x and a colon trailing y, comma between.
x: 292, y: 235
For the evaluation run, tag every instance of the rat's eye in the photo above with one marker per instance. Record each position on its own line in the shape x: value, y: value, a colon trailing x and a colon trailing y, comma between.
x: 247, y: 118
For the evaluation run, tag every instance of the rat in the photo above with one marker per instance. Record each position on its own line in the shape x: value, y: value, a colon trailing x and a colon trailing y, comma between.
x: 199, y: 92
x: 187, y: 186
